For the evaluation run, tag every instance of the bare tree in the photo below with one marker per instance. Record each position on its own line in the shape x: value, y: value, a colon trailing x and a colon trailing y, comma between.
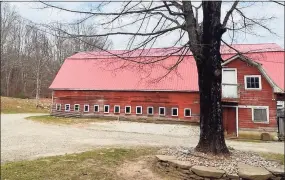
x: 200, y: 28
x: 31, y: 58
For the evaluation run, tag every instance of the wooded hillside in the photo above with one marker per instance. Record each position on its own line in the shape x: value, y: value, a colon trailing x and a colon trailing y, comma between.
x: 31, y: 57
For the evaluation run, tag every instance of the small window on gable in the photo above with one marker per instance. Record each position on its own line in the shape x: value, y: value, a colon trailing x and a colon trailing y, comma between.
x: 58, y: 107
x: 86, y: 108
x: 187, y: 112
x: 67, y: 107
x: 260, y: 114
x: 138, y: 109
x: 162, y: 111
x: 174, y: 112
x: 128, y: 110
x: 150, y: 110
x: 76, y: 107
x: 116, y: 109
x: 96, y: 108
x: 252, y: 82
x: 106, y: 108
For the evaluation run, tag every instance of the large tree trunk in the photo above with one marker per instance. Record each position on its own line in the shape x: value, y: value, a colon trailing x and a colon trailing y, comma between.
x: 210, y: 76
x: 211, y: 124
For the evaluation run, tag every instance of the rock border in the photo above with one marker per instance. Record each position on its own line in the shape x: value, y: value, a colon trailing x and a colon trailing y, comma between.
x: 184, y: 170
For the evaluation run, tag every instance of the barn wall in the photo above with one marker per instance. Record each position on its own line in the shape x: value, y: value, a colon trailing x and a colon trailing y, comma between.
x: 263, y: 97
x: 129, y: 98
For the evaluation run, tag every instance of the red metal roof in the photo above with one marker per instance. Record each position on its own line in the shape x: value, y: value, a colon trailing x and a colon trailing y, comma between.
x: 104, y: 71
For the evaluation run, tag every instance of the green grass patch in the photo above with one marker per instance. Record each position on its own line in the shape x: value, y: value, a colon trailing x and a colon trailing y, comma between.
x: 273, y: 157
x: 16, y: 105
x: 63, y: 120
x: 97, y: 164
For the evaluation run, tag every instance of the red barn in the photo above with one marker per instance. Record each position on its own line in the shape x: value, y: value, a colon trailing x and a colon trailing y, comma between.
x: 102, y: 84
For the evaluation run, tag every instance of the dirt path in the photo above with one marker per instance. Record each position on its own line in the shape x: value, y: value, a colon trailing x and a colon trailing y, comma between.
x: 139, y: 170
x: 25, y: 139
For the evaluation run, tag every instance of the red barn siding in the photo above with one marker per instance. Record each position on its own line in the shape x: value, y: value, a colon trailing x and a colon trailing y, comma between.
x: 263, y: 97
x: 130, y: 98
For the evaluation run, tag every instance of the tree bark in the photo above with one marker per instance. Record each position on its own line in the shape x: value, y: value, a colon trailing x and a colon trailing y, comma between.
x: 209, y: 67
x: 211, y: 120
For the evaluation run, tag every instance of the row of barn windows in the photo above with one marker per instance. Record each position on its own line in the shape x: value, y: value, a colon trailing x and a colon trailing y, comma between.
x: 139, y: 109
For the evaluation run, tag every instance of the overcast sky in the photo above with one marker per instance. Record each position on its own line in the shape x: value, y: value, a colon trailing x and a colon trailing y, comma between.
x: 29, y: 10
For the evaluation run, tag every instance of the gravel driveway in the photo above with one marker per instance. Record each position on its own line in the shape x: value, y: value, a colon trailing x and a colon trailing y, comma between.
x: 24, y: 139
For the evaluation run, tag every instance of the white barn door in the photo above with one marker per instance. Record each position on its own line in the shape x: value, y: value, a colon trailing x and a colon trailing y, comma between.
x: 229, y: 83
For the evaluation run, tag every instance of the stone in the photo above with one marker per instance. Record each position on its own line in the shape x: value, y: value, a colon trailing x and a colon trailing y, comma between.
x: 186, y: 171
x: 181, y: 164
x: 165, y: 158
x: 275, y: 138
x: 265, y: 136
x: 233, y: 176
x: 253, y: 173
x: 276, y: 170
x: 207, y: 171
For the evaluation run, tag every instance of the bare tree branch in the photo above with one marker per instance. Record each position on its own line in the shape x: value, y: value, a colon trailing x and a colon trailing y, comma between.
x: 229, y: 13
x: 169, y: 10
x: 107, y: 14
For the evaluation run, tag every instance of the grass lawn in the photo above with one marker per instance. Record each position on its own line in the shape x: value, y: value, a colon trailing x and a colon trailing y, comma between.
x: 97, y: 164
x: 273, y: 157
x: 63, y: 120
x: 17, y: 105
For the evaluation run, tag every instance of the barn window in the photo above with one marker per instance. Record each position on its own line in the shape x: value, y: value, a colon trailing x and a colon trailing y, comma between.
x: 86, y: 108
x: 96, y: 108
x: 138, y: 109
x: 58, y: 107
x: 162, y: 111
x: 150, y: 110
x: 260, y: 114
x: 116, y: 109
x: 67, y: 107
x: 106, y: 108
x: 174, y: 112
x: 128, y: 110
x: 252, y: 82
x: 187, y: 112
x: 76, y: 107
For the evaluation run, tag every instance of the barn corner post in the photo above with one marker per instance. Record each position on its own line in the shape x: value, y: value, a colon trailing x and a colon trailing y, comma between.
x: 209, y: 78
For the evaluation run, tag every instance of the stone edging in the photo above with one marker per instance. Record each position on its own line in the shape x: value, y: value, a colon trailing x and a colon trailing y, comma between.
x: 184, y: 170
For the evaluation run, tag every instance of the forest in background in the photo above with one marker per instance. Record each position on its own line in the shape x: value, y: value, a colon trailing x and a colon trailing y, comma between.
x: 31, y: 57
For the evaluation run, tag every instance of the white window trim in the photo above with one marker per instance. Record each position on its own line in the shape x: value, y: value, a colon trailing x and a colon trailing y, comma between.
x: 245, y: 84
x: 172, y: 111
x: 59, y: 107
x: 115, y: 108
x: 185, y: 112
x: 152, y: 110
x: 234, y: 69
x: 78, y: 107
x: 108, y: 109
x: 159, y: 111
x: 65, y: 107
x: 126, y: 109
x: 137, y: 109
x: 260, y: 107
x: 95, y: 106
x: 86, y: 105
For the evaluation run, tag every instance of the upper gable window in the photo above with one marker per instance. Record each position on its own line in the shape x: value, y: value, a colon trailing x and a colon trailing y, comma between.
x: 252, y: 82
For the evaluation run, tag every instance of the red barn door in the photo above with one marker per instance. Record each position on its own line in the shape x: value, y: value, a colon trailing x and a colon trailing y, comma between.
x: 229, y: 120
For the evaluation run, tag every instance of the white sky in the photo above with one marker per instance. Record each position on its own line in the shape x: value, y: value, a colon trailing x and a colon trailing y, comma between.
x: 29, y: 11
